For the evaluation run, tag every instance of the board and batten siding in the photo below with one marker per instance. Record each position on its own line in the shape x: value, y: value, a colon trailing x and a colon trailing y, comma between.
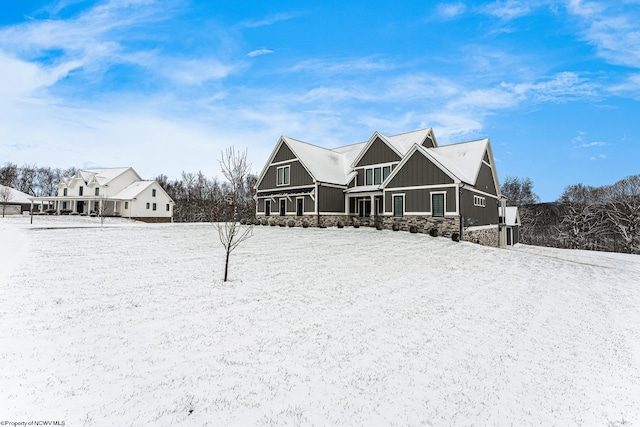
x: 378, y: 152
x: 419, y: 200
x: 283, y: 154
x: 417, y: 171
x: 485, y: 180
x: 298, y: 176
x: 330, y: 199
x: 477, y: 215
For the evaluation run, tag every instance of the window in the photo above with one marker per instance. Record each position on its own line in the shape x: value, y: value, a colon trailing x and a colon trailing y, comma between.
x: 97, y: 192
x: 267, y: 207
x: 386, y: 171
x: 283, y: 175
x: 148, y: 205
x: 126, y: 205
x: 398, y: 205
x: 368, y: 177
x: 283, y: 207
x: 154, y: 206
x: 479, y: 201
x: 81, y: 191
x: 64, y: 204
x: 168, y: 208
x: 377, y: 176
x: 153, y: 193
x: 96, y: 206
x: 437, y: 204
x: 64, y: 192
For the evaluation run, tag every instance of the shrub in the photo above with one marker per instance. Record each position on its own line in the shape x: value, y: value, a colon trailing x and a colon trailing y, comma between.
x: 413, y: 229
x: 291, y: 223
x: 379, y: 226
x: 265, y: 222
x: 282, y: 224
x: 356, y: 224
x: 243, y: 221
x: 305, y: 224
x: 433, y: 232
x: 340, y: 224
x: 395, y: 226
x: 272, y: 224
x: 455, y: 237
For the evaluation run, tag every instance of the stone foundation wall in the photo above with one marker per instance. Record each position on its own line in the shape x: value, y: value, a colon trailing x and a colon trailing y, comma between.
x: 153, y: 220
x: 446, y: 227
x: 483, y: 236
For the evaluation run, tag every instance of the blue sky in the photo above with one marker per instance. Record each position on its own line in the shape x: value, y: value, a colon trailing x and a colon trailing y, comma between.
x: 165, y: 86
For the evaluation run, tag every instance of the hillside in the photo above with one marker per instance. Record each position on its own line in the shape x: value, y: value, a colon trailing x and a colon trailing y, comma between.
x: 131, y: 324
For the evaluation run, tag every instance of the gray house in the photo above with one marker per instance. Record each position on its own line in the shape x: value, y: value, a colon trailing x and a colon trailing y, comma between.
x: 510, y: 216
x: 399, y: 181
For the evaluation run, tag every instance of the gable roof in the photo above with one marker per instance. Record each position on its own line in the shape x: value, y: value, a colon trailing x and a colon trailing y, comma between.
x: 101, y: 176
x: 132, y: 190
x: 512, y: 216
x: 400, y: 144
x: 17, y: 196
x: 464, y: 159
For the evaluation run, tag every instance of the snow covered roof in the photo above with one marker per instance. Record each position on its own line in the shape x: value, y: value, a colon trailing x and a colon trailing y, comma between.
x: 512, y: 217
x: 463, y: 159
x: 17, y: 196
x: 133, y: 190
x: 323, y: 164
x: 101, y: 176
x: 403, y: 142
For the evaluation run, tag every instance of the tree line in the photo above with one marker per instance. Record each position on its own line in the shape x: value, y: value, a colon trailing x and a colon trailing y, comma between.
x: 605, y: 218
x: 197, y: 198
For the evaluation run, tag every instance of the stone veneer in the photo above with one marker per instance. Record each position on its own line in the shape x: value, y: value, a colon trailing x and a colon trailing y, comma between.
x: 488, y: 236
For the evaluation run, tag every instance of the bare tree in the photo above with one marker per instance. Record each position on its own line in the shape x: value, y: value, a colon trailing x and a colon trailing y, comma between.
x: 5, y: 197
x: 519, y: 191
x: 235, y: 169
x: 623, y: 212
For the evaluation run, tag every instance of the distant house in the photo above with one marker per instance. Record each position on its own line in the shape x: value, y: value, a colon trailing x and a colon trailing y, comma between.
x: 403, y: 180
x: 14, y: 202
x: 117, y: 192
x: 511, y: 218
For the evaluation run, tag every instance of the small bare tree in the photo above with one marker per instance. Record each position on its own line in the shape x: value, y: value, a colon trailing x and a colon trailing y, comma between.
x: 235, y: 169
x: 5, y: 197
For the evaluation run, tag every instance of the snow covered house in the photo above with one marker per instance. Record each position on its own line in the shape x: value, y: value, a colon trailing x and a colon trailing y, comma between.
x: 119, y: 192
x: 510, y: 216
x: 399, y: 181
x: 13, y: 202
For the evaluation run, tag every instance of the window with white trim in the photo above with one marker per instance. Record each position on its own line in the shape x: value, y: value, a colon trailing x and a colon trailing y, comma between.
x: 437, y: 204
x: 368, y: 177
x: 97, y: 192
x: 283, y: 175
x: 398, y: 205
x: 386, y: 171
x: 479, y: 201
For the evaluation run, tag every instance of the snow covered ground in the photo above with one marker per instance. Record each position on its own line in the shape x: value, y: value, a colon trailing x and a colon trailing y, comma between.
x: 131, y: 325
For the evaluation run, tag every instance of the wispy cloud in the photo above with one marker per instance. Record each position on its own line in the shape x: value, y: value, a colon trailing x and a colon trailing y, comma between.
x: 590, y: 144
x: 615, y: 32
x: 342, y: 65
x: 507, y: 10
x: 258, y: 52
x: 269, y: 20
x: 450, y: 10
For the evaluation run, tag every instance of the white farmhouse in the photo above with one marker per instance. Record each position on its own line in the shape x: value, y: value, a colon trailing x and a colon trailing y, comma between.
x: 110, y: 192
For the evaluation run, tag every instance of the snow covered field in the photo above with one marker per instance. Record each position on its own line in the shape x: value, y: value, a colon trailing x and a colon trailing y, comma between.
x: 131, y: 325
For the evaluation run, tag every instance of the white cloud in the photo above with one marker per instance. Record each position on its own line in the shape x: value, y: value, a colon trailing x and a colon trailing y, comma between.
x: 450, y: 10
x: 508, y: 10
x: 258, y: 52
x: 590, y: 144
x: 269, y: 20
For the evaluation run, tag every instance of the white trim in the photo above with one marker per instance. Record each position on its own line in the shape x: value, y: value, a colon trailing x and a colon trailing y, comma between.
x: 420, y: 187
x: 482, y: 227
x: 282, y: 162
x: 479, y: 201
x: 369, y: 144
x: 327, y: 184
x: 425, y: 152
x: 280, y: 188
x: 475, y: 190
x: 280, y: 200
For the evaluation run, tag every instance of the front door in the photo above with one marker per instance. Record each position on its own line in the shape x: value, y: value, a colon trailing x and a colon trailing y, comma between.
x: 80, y: 206
x: 267, y: 207
x: 509, y: 236
x: 299, y: 206
x: 283, y: 207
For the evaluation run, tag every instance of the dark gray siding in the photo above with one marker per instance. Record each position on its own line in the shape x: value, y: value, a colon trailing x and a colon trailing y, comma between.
x: 486, y: 157
x: 428, y: 142
x: 476, y: 215
x: 419, y: 171
x: 378, y: 152
x: 485, y: 180
x: 420, y: 200
x: 330, y: 199
x: 360, y: 177
x: 284, y: 153
x: 298, y: 176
